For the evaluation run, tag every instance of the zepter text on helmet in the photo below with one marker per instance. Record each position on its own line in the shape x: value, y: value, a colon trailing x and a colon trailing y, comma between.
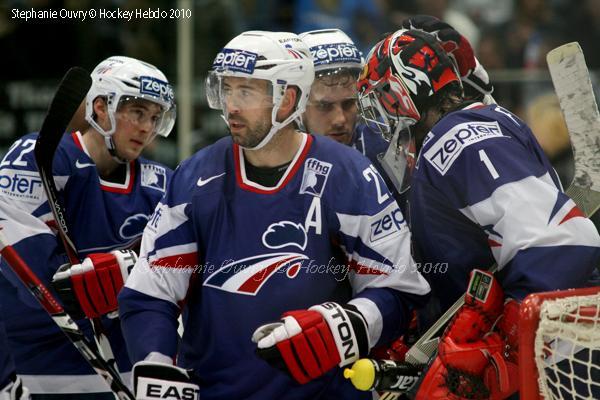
x: 235, y: 60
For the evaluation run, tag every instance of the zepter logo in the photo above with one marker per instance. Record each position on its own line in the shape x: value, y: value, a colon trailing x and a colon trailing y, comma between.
x: 335, y: 53
x: 235, y: 60
x: 156, y: 87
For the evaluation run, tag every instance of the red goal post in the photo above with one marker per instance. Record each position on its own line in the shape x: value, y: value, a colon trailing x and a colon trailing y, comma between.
x: 554, y: 328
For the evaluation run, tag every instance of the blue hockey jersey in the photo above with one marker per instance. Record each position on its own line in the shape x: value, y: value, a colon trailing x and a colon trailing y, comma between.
x: 239, y: 254
x: 370, y: 143
x: 373, y: 146
x: 7, y: 364
x: 484, y: 192
x: 101, y: 216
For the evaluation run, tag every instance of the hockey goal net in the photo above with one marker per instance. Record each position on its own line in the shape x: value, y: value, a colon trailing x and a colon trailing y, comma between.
x: 559, y: 345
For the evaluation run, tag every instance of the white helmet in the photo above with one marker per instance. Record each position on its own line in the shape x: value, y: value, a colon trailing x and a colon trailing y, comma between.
x: 121, y: 78
x: 333, y: 51
x: 281, y: 58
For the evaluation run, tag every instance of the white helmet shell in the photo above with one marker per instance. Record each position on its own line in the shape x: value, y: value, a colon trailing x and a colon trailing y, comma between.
x: 281, y: 58
x: 120, y: 77
x: 332, y: 49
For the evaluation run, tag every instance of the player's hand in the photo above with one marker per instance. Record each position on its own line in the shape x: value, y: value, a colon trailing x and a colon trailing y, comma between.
x: 152, y: 380
x: 14, y: 391
x: 90, y: 289
x: 308, y: 343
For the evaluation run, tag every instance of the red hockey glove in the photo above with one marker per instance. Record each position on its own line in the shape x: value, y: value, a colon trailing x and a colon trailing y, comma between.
x: 90, y: 289
x: 308, y: 343
x: 152, y: 380
x: 396, y: 351
x: 473, y: 363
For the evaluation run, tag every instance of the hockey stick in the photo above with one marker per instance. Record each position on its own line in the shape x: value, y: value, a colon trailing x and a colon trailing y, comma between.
x: 64, y: 104
x: 573, y: 87
x: 67, y: 99
x: 71, y: 91
x: 63, y: 320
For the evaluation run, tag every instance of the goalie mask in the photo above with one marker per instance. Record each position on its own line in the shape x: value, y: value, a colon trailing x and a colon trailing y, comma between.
x: 121, y: 79
x: 280, y: 59
x: 401, y: 74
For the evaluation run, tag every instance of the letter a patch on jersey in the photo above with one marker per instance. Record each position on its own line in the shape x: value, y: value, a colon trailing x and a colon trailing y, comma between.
x: 249, y: 275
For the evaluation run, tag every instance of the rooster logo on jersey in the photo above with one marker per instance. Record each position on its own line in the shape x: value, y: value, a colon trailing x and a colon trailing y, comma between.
x: 249, y: 275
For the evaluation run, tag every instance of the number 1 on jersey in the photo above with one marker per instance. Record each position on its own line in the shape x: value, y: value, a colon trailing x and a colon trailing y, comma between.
x: 483, y: 157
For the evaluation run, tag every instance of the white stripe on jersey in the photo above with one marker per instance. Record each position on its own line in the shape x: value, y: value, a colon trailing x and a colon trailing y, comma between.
x: 372, y: 315
x: 56, y: 384
x: 385, y: 233
x: 151, y: 281
x: 173, y: 251
x: 166, y: 284
x: 19, y: 224
x: 170, y: 218
x: 530, y: 199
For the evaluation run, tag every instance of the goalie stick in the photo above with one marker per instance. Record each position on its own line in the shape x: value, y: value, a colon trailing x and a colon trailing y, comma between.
x: 573, y: 87
x: 71, y: 91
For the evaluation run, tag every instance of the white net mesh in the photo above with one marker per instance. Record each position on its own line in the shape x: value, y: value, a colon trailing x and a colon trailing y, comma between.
x: 567, y: 348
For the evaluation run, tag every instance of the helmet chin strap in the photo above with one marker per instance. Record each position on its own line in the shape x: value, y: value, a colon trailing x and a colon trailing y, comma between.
x: 112, y: 150
x: 275, y: 127
x: 265, y: 140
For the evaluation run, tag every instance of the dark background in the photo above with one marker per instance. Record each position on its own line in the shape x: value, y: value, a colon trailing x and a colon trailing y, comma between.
x: 511, y: 38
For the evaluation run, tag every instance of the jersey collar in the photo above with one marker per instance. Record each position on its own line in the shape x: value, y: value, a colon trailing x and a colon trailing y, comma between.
x: 124, y: 188
x: 246, y: 184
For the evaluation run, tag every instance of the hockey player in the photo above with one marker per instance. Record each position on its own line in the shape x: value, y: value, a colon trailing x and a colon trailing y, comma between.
x: 332, y: 107
x: 108, y: 191
x: 283, y: 276
x: 482, y: 192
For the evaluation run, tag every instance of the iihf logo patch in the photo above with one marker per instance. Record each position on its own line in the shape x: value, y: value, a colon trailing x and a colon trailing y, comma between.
x: 315, y: 177
x: 154, y: 176
x: 249, y: 275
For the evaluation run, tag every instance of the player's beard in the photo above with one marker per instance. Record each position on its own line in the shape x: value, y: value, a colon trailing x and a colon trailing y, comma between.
x: 254, y: 134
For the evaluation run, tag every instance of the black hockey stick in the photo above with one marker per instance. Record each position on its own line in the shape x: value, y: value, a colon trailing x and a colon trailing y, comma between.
x: 69, y: 95
x: 64, y: 104
x: 573, y: 87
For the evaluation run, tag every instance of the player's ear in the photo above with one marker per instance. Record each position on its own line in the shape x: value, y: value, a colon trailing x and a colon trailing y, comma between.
x: 288, y: 103
x: 101, y: 113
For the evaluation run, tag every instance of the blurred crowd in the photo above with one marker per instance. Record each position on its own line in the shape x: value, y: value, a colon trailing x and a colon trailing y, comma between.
x: 510, y: 37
